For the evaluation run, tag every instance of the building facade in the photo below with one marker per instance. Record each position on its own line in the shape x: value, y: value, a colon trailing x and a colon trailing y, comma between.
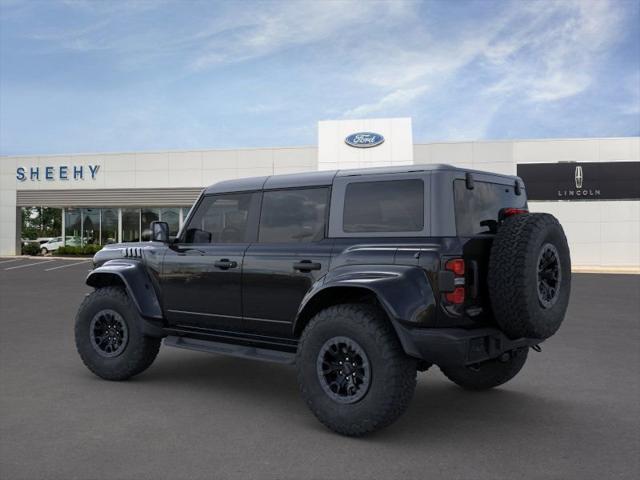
x: 591, y: 185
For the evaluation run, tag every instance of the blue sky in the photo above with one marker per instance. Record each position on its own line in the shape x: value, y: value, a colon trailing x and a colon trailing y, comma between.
x: 84, y: 76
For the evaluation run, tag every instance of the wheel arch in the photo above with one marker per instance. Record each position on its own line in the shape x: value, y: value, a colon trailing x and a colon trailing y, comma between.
x: 131, y: 276
x: 334, y: 295
x: 403, y: 293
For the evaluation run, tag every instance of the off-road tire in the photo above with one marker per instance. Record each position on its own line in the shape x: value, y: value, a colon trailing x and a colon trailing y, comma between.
x: 140, y: 350
x: 513, y: 276
x: 488, y: 374
x: 393, y: 373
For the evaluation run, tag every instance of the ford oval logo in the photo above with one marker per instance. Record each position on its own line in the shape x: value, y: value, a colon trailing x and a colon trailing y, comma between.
x: 364, y: 139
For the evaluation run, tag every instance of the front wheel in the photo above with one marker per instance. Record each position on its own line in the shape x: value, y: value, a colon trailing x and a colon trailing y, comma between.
x: 108, y: 335
x: 488, y: 374
x: 44, y: 251
x: 352, y: 370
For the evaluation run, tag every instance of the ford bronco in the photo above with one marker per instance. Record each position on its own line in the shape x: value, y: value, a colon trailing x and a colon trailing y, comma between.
x: 360, y: 278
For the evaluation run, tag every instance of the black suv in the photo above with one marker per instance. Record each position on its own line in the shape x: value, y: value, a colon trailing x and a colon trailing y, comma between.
x: 358, y: 277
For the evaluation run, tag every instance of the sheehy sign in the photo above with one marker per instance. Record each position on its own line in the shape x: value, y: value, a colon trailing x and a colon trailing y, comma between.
x: 61, y: 172
x: 581, y: 180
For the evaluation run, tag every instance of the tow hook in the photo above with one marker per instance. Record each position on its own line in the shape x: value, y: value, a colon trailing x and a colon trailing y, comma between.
x: 536, y: 348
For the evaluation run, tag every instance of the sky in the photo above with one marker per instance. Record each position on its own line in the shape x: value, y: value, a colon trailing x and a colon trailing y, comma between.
x: 112, y: 76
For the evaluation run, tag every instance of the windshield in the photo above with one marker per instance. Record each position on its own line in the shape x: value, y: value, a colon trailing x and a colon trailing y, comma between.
x: 476, y: 208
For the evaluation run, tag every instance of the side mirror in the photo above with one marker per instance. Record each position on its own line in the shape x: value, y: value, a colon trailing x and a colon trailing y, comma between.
x: 160, y: 232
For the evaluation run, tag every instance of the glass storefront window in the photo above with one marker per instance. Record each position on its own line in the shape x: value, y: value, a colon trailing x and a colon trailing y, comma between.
x: 148, y: 215
x: 172, y: 217
x: 90, y: 226
x: 109, y: 226
x: 85, y: 226
x: 72, y: 226
x: 130, y: 224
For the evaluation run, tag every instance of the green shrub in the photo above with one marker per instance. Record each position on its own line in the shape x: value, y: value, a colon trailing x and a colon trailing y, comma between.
x: 84, y: 250
x: 31, y: 249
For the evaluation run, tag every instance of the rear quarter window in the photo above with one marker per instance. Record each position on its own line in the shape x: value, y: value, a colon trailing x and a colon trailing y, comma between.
x: 384, y: 206
x: 482, y: 204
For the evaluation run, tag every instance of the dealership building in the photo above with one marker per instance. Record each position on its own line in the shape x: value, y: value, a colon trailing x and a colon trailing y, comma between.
x: 591, y: 184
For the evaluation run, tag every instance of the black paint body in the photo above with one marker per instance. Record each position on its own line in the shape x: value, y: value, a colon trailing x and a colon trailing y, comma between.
x: 262, y: 294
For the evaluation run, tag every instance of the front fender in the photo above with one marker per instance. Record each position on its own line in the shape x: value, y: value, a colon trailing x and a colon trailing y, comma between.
x: 403, y: 291
x: 135, y: 279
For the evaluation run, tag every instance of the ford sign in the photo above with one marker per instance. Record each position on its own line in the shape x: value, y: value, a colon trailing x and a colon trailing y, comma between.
x: 364, y: 139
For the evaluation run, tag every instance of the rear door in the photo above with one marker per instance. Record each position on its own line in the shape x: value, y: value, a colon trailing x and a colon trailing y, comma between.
x: 290, y: 255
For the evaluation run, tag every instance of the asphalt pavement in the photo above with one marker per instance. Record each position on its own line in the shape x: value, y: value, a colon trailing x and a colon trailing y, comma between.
x: 573, y: 412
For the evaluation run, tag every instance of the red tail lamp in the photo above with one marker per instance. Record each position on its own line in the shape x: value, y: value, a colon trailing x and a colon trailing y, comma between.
x: 456, y: 266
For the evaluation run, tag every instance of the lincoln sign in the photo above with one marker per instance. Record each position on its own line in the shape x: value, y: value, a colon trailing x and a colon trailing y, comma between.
x: 581, y: 180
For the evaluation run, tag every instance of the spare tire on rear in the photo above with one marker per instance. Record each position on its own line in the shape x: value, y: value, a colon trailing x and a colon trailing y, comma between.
x: 529, y: 276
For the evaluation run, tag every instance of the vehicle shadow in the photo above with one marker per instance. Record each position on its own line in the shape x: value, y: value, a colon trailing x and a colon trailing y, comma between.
x: 439, y: 412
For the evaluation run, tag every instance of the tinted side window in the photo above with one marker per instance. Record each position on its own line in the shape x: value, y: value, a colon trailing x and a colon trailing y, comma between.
x: 293, y: 215
x: 220, y: 219
x: 482, y: 204
x: 384, y: 206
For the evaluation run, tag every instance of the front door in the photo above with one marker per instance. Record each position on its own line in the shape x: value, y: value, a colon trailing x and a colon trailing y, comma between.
x: 290, y: 255
x: 201, y: 277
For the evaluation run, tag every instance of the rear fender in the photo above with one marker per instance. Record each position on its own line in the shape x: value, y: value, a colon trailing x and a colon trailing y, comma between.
x: 133, y: 276
x: 404, y: 292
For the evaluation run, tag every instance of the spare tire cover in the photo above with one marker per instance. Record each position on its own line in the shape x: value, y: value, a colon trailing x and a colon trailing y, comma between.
x: 529, y: 276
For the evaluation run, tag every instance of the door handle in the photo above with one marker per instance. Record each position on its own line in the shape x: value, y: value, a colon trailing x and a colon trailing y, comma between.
x: 225, y: 264
x: 306, y: 266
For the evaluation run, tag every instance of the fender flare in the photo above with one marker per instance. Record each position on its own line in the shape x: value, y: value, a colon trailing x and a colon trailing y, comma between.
x: 404, y: 292
x: 133, y: 276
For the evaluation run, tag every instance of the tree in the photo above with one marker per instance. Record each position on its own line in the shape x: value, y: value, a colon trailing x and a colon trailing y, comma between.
x: 41, y: 222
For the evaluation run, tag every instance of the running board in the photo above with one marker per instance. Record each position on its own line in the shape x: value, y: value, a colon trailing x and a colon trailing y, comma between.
x: 221, y: 348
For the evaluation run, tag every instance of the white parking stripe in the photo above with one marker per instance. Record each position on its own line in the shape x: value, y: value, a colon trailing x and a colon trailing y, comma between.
x: 9, y: 261
x: 65, y: 266
x: 30, y: 264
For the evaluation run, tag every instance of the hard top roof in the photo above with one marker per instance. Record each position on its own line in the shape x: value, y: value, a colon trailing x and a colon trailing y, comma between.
x: 322, y: 178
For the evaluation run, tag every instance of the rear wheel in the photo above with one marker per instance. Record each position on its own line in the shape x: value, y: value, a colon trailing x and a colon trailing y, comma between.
x: 108, y: 335
x: 488, y: 374
x: 352, y: 370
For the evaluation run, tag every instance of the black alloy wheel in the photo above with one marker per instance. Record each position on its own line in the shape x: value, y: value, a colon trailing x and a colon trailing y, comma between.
x: 109, y: 333
x: 549, y: 275
x: 343, y: 370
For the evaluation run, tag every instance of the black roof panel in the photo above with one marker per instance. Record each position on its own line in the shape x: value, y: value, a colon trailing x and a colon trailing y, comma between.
x: 319, y: 178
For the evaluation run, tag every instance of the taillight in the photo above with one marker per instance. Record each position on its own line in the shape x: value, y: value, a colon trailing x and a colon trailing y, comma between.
x: 457, y: 296
x: 456, y: 266
x: 510, y: 212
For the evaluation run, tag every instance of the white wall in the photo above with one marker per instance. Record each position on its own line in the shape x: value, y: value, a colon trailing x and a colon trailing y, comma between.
x: 600, y: 233
x: 197, y: 168
x: 7, y: 207
x: 334, y: 153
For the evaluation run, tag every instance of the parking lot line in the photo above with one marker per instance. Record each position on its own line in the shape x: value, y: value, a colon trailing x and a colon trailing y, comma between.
x: 30, y: 264
x: 9, y: 261
x: 65, y: 266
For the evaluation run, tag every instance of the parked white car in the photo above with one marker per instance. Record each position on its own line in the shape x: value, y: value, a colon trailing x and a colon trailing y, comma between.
x: 52, y: 245
x: 57, y: 242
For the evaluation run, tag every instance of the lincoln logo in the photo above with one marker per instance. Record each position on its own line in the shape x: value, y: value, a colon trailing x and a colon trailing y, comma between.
x: 579, y: 177
x: 364, y: 139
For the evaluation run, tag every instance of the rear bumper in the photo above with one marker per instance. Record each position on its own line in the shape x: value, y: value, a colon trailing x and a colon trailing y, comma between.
x: 458, y: 346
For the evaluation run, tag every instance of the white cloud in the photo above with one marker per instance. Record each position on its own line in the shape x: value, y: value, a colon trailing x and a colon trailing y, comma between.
x: 551, y: 55
x: 397, y: 98
x: 536, y: 51
x: 276, y: 26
